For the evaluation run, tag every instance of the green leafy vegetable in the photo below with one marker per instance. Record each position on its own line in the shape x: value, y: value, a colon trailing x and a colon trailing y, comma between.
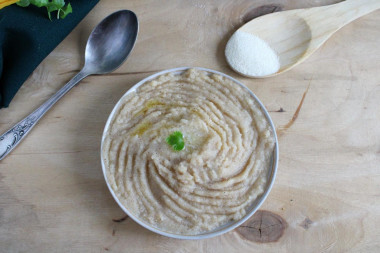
x: 65, y: 10
x: 175, y: 140
x: 51, y: 5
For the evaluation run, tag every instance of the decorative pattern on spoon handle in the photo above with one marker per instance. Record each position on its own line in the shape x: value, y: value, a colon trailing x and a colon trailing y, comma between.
x: 13, y: 136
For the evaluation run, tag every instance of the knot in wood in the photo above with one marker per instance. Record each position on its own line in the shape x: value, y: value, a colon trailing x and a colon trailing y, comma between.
x: 263, y: 227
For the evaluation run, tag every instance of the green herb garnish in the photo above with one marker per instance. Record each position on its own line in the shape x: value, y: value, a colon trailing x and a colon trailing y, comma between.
x: 176, y: 141
x: 51, y: 5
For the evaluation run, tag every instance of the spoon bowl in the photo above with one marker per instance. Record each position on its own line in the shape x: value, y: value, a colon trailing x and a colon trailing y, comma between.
x: 294, y: 35
x: 111, y: 41
x: 291, y: 47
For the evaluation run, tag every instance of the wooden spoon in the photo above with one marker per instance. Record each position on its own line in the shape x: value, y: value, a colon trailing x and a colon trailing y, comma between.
x: 294, y: 35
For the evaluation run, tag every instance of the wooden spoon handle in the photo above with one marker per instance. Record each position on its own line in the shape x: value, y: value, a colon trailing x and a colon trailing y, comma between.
x: 349, y: 10
x: 326, y: 20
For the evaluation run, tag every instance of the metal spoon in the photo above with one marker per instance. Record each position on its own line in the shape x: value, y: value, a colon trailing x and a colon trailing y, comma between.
x: 107, y: 48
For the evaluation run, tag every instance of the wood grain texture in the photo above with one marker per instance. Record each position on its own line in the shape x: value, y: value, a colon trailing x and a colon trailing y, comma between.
x: 53, y: 197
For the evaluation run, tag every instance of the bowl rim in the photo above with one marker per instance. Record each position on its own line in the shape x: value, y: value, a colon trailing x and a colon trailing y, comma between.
x: 219, y: 231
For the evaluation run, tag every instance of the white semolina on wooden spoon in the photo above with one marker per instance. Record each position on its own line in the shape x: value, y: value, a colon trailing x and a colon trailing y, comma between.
x: 274, y: 43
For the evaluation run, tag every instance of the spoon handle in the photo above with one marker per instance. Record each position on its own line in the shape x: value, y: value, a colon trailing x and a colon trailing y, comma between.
x: 349, y: 10
x: 10, y: 139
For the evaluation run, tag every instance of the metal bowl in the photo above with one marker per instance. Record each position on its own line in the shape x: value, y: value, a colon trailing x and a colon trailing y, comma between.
x: 230, y: 225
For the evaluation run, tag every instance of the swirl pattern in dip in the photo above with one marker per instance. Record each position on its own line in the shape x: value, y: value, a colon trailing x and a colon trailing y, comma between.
x: 219, y: 174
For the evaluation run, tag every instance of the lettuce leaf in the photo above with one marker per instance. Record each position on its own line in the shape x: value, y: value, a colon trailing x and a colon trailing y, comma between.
x: 51, y: 5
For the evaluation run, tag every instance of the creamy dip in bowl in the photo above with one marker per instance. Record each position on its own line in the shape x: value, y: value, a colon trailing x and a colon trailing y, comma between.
x: 212, y: 184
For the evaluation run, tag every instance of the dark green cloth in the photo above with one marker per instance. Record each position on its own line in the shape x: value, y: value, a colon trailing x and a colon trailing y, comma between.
x: 27, y: 36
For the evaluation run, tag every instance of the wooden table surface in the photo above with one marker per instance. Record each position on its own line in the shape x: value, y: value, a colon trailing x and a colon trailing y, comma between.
x: 326, y: 197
